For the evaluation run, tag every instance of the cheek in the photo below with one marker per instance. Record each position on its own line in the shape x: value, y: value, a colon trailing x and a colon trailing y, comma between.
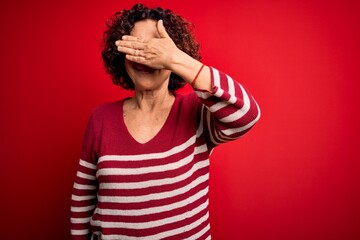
x: 165, y: 73
x: 129, y: 68
x: 127, y: 65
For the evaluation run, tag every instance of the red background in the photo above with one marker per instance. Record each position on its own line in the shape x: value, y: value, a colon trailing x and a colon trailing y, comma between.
x: 294, y: 176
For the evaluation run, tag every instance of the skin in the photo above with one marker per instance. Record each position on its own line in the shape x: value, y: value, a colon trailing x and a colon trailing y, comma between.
x: 151, y: 56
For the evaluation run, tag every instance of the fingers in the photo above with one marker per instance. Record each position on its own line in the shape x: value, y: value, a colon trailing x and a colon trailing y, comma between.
x: 130, y: 38
x: 137, y: 59
x: 161, y: 29
x: 130, y: 51
x: 132, y: 47
x: 130, y: 42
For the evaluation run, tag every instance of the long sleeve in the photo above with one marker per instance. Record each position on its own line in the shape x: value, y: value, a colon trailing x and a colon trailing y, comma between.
x: 83, y: 198
x: 228, y: 112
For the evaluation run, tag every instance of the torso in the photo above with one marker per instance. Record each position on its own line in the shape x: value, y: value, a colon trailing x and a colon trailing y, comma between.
x: 152, y: 190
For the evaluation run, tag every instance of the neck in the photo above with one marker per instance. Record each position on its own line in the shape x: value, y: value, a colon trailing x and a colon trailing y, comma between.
x: 152, y: 100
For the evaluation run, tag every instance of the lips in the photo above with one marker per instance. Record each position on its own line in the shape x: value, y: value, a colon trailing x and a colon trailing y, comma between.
x: 143, y: 68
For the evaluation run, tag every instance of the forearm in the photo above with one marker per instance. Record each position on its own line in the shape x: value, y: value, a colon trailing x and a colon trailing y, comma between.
x: 83, y: 200
x: 230, y: 110
x: 187, y: 67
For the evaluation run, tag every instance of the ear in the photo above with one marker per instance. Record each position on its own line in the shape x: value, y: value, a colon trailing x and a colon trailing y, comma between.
x: 161, y: 29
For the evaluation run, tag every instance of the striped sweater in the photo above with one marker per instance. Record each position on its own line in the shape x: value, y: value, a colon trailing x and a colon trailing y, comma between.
x: 158, y: 190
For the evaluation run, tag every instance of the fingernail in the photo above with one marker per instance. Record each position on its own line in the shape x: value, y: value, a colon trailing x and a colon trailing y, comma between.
x: 123, y: 37
x: 117, y: 43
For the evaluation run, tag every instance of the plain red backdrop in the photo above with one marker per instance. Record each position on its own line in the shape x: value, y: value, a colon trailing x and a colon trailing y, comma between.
x: 294, y: 176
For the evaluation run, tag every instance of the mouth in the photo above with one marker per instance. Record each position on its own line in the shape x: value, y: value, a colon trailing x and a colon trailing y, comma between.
x: 143, y: 68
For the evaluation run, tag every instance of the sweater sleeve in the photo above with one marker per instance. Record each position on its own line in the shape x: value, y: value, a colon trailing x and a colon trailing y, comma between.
x: 228, y: 112
x: 83, y: 198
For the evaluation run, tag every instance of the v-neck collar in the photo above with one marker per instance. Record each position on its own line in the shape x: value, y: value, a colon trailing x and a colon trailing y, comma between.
x: 158, y: 137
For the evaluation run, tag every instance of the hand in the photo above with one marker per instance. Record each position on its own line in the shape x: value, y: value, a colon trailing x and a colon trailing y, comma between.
x: 156, y: 53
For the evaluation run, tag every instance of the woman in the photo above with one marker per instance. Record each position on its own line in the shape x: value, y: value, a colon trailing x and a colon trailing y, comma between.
x: 144, y: 167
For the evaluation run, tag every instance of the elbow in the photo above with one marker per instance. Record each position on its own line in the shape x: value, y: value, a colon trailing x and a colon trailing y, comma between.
x: 258, y: 113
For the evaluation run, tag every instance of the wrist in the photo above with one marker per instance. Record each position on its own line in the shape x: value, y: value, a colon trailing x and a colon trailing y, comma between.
x: 177, y: 59
x: 184, y: 65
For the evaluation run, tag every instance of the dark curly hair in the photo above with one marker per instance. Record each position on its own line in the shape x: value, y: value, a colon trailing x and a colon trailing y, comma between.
x: 123, y: 22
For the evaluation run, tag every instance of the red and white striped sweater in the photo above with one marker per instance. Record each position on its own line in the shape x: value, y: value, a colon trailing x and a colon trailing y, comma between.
x: 157, y: 190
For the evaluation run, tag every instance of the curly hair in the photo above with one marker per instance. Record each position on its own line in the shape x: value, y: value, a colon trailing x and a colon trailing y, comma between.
x: 123, y: 22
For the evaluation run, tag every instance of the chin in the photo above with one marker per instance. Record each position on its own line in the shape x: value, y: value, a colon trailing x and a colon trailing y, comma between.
x: 147, y: 84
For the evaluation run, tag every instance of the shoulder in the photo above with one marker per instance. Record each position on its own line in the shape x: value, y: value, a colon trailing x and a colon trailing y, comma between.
x: 188, y: 100
x: 188, y: 104
x: 107, y: 110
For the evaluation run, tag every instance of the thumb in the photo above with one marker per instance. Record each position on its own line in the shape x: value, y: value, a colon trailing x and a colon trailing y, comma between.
x: 161, y: 29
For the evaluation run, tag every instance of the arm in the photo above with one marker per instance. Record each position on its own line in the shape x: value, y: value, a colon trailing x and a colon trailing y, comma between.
x: 83, y: 198
x: 229, y: 110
